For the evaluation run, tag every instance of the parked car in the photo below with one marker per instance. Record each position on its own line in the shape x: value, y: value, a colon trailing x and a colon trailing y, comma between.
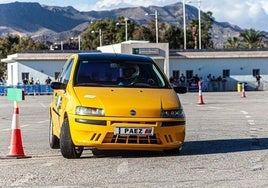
x: 117, y: 102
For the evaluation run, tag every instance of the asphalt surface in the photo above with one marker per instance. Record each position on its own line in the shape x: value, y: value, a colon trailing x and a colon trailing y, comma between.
x: 226, y: 146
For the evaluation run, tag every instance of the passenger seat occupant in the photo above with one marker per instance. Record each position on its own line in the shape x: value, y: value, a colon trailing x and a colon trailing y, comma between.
x: 130, y: 74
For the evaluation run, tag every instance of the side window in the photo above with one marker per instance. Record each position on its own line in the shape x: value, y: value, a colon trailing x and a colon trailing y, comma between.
x: 225, y: 73
x: 25, y: 75
x: 66, y: 71
x: 255, y: 72
x: 189, y: 74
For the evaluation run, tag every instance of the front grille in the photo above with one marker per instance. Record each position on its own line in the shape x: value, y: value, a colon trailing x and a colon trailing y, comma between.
x: 168, y: 138
x: 172, y: 123
x: 132, y: 139
x: 95, y: 137
x: 134, y: 122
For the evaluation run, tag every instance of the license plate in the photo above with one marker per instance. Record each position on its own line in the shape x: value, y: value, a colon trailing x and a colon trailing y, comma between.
x: 137, y: 131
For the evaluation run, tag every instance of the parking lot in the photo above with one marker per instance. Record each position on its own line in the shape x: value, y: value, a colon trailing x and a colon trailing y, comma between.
x: 226, y: 146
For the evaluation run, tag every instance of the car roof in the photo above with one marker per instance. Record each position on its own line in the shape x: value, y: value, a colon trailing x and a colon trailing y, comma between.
x: 118, y: 56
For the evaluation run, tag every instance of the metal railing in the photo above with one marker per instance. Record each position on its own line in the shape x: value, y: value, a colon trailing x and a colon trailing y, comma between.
x: 35, y: 89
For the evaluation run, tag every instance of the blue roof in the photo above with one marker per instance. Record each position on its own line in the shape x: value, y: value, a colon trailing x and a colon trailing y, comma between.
x: 120, y: 56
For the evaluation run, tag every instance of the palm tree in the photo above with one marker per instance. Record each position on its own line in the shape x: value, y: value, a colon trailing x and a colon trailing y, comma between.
x: 194, y: 28
x: 252, y: 38
x: 233, y: 42
x: 206, y: 26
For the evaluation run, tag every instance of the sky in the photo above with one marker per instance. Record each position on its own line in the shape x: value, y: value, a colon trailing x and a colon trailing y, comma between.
x: 244, y: 13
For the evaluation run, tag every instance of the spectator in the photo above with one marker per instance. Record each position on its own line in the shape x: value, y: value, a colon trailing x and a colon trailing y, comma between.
x: 219, y: 80
x: 48, y: 80
x: 224, y: 80
x: 172, y: 81
x: 31, y: 81
x: 258, y: 80
x: 213, y: 83
x: 3, y: 81
x: 207, y: 83
x: 25, y: 81
x: 196, y: 79
x: 37, y: 82
x: 182, y: 80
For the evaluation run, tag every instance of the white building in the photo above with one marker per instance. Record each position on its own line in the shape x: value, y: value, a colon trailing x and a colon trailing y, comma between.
x: 235, y: 66
x: 38, y: 66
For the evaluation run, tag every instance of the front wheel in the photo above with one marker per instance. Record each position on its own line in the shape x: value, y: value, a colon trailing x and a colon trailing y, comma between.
x: 54, y: 141
x: 68, y: 149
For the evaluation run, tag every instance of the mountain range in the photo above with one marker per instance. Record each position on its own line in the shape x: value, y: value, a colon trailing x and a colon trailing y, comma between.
x: 55, y: 24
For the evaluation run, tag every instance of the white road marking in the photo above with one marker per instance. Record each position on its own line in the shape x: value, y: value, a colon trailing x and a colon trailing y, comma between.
x: 26, y: 125
x: 244, y: 112
x: 251, y: 122
x: 43, y: 105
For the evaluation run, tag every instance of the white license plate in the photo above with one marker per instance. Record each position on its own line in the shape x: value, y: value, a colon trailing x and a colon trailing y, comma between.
x: 138, y: 131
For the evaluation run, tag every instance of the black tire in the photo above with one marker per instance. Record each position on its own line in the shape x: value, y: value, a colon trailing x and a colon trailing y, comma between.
x: 54, y: 141
x: 68, y: 149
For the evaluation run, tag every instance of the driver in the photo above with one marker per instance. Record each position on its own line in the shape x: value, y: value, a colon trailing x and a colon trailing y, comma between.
x: 130, y: 74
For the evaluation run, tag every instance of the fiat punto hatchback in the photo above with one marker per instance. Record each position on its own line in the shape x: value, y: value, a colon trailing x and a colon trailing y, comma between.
x: 106, y: 101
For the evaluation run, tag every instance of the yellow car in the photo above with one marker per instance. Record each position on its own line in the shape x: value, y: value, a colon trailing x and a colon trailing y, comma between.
x: 108, y: 101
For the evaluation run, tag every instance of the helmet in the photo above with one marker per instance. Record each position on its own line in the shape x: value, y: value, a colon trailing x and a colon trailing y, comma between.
x: 131, y: 72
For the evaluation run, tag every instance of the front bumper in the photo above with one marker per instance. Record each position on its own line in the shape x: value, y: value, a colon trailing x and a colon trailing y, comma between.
x: 98, y: 132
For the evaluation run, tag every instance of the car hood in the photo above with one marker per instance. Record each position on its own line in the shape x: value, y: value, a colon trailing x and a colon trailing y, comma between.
x: 124, y: 101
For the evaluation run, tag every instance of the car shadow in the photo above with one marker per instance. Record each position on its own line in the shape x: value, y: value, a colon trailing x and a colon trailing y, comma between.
x: 201, y: 147
x: 206, y: 147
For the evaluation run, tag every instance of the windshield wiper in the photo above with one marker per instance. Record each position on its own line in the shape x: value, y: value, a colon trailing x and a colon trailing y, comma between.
x: 89, y: 84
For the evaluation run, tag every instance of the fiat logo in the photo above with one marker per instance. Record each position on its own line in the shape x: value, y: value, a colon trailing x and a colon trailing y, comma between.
x: 132, y: 112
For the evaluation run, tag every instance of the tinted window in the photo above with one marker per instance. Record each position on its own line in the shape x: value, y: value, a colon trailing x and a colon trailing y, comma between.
x: 118, y: 74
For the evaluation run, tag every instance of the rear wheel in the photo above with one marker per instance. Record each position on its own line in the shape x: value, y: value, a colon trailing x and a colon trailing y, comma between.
x: 54, y: 141
x: 68, y: 149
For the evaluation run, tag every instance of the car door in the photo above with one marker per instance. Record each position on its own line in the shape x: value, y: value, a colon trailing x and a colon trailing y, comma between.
x: 59, y: 95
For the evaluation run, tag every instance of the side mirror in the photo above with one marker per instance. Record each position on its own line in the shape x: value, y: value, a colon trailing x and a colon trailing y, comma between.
x: 180, y: 89
x: 58, y: 85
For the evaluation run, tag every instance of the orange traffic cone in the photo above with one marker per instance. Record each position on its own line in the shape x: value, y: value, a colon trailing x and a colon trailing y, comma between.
x: 243, y: 90
x: 15, y: 147
x: 200, y: 97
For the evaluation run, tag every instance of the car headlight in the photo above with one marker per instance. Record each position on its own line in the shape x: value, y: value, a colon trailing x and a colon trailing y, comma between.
x: 88, y: 111
x: 172, y: 113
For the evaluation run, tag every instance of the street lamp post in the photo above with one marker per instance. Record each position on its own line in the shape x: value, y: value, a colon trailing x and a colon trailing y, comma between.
x: 184, y: 25
x: 100, y: 33
x: 156, y: 24
x: 126, y: 21
x: 199, y: 24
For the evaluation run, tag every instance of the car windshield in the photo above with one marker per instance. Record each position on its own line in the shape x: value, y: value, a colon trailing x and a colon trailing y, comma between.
x: 108, y: 73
